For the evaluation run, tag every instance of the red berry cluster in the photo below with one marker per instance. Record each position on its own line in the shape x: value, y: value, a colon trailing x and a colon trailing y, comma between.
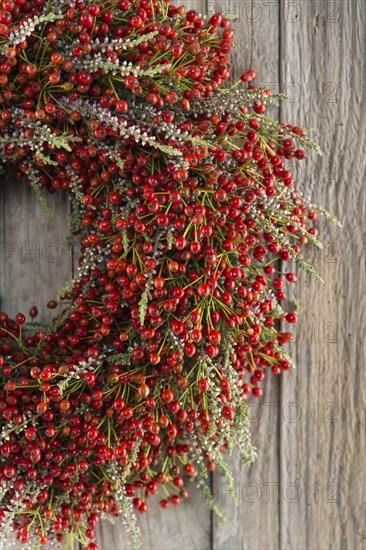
x: 185, y: 210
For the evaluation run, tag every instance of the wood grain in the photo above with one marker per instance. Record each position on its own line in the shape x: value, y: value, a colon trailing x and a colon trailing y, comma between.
x: 254, y: 522
x: 187, y: 527
x: 35, y: 259
x: 323, y: 452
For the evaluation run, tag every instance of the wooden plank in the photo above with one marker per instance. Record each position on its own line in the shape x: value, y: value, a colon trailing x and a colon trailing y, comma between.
x: 323, y: 452
x: 254, y: 523
x: 35, y: 258
x: 186, y: 527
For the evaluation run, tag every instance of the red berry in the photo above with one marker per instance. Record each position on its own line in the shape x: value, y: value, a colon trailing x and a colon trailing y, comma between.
x: 291, y: 318
x: 257, y: 392
x: 203, y: 385
x: 228, y: 412
x: 9, y: 471
x: 20, y: 318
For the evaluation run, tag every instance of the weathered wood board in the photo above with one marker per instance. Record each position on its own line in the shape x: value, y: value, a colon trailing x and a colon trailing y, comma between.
x: 307, y: 489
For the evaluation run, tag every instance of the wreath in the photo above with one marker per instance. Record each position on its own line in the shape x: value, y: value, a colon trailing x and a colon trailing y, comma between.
x: 187, y: 216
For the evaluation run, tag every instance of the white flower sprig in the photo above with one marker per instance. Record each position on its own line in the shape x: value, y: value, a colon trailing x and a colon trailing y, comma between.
x: 122, y: 43
x: 26, y: 28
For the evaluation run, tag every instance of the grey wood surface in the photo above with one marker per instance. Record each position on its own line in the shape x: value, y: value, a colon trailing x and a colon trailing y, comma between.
x: 307, y: 489
x: 257, y: 40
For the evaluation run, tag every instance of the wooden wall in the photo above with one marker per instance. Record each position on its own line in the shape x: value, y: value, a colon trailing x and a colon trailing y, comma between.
x: 307, y: 489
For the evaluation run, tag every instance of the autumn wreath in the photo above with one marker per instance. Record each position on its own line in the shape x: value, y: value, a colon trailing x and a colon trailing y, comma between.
x: 187, y: 217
